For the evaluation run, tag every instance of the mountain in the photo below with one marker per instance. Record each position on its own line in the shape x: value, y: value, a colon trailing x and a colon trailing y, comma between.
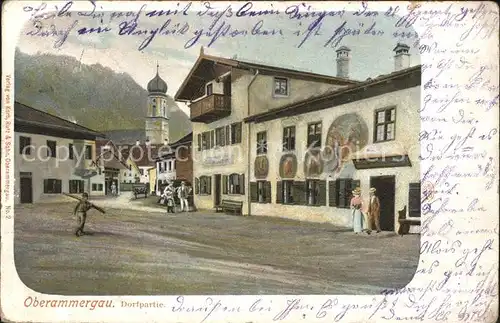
x: 94, y: 96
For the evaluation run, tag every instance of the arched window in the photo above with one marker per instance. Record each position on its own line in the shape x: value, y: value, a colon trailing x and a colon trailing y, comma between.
x: 204, y: 185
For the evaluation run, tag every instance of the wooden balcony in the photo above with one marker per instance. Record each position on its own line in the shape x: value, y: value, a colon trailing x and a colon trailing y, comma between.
x: 211, y: 108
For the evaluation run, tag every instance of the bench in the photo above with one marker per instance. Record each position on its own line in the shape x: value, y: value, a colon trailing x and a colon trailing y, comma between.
x: 140, y: 191
x: 235, y: 207
x: 405, y: 223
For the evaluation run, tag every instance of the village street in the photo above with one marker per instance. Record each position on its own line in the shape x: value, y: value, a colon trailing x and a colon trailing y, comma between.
x: 137, y: 249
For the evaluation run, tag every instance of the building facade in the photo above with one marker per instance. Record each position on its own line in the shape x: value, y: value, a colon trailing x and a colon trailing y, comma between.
x: 306, y: 164
x: 176, y: 164
x: 221, y: 93
x: 53, y: 156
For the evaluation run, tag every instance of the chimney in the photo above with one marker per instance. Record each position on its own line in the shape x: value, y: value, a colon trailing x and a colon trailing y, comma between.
x: 402, y: 57
x: 165, y: 142
x: 147, y: 141
x: 343, y: 60
x: 137, y: 142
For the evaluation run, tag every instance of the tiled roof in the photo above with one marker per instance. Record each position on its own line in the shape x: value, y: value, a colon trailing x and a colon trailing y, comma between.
x: 24, y: 114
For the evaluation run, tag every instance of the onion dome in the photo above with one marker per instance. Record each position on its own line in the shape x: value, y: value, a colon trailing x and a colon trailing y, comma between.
x: 157, y: 84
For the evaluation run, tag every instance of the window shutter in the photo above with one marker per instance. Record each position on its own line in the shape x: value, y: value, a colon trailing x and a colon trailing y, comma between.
x: 332, y: 193
x: 58, y: 186
x: 224, y: 184
x: 242, y: 184
x: 321, y: 193
x: 196, y: 185
x: 209, y: 179
x: 414, y: 200
x: 267, y: 190
x: 254, y: 197
x: 199, y: 142
x: 299, y: 193
x: 342, y: 193
x: 279, y: 192
x: 349, y: 187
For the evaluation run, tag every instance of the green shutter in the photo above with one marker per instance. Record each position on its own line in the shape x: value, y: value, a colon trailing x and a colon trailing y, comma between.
x: 321, y: 193
x: 342, y: 193
x: 299, y: 193
x: 242, y: 184
x: 209, y: 185
x: 279, y: 192
x: 224, y: 184
x: 332, y: 193
x: 267, y: 190
x: 414, y: 199
x: 196, y: 186
x: 253, y: 192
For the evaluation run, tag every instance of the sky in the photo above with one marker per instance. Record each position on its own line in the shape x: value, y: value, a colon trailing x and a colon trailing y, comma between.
x: 370, y: 55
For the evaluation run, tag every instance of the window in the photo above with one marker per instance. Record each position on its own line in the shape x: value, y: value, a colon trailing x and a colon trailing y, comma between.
x: 414, y: 199
x: 88, y: 152
x: 212, y: 139
x: 314, y: 135
x: 205, y: 141
x: 210, y: 89
x: 236, y: 133
x: 220, y: 138
x: 71, y: 152
x: 235, y: 184
x: 260, y: 192
x: 199, y: 142
x: 52, y: 186
x: 75, y: 186
x: 340, y: 192
x: 280, y: 86
x: 51, y: 148
x: 25, y: 145
x: 385, y: 121
x: 205, y: 185
x: 174, y: 164
x: 94, y: 187
x: 289, y: 138
x: 141, y: 171
x: 261, y: 142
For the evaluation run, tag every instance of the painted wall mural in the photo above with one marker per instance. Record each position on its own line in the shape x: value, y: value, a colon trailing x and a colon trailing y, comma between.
x: 261, y: 167
x: 346, y: 135
x: 288, y: 166
x: 313, y: 163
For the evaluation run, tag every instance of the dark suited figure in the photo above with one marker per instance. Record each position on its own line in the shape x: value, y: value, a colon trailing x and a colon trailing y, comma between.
x: 81, y: 213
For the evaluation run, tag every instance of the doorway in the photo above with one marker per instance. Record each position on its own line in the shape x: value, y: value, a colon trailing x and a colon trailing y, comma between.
x: 217, y: 189
x: 386, y: 191
x: 26, y: 184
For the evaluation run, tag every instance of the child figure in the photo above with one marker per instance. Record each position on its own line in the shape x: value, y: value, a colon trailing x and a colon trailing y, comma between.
x: 81, y: 213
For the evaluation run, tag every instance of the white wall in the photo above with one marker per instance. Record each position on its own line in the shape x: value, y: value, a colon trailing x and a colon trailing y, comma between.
x: 43, y: 167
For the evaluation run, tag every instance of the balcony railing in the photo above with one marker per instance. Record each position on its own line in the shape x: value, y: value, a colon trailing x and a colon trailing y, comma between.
x: 211, y: 108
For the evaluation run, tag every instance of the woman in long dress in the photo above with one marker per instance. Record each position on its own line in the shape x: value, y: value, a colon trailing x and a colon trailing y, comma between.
x: 357, y: 215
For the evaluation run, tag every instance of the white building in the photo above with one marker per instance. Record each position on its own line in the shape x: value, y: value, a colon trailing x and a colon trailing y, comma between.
x: 220, y: 92
x: 53, y: 156
x: 306, y: 158
x: 306, y: 140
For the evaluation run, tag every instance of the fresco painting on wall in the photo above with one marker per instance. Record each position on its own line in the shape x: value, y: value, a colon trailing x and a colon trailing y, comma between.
x: 346, y: 135
x: 288, y: 166
x: 313, y: 163
x: 261, y: 167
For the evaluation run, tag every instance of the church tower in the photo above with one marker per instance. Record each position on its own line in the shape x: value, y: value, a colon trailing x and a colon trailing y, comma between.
x: 157, y: 119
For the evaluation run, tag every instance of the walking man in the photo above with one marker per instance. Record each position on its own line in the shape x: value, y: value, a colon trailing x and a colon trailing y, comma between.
x: 183, y: 193
x: 374, y: 211
x: 81, y: 213
x: 113, y: 189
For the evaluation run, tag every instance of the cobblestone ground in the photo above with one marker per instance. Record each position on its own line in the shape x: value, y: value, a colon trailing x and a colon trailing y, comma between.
x: 143, y: 251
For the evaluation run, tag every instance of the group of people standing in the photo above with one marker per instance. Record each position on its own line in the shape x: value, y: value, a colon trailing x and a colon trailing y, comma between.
x: 182, y: 191
x: 372, y: 221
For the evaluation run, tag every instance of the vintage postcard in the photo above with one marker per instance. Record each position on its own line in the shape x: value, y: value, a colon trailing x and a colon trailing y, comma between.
x: 249, y: 161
